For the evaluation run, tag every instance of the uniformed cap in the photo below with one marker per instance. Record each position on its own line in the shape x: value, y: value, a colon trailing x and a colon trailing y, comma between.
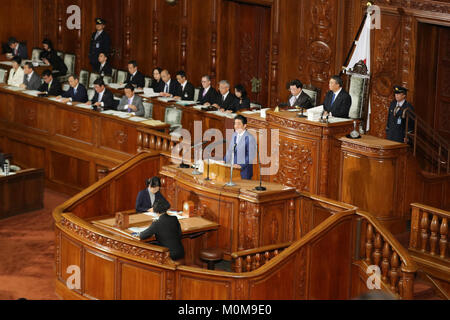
x: 99, y: 21
x: 398, y: 89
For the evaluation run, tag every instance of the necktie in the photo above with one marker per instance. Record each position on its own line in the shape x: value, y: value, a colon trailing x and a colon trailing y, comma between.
x: 74, y: 91
x: 292, y: 101
x: 131, y: 78
x: 396, y: 109
x: 49, y: 86
x: 334, y: 98
x: 204, y: 93
x: 223, y: 98
x: 166, y: 88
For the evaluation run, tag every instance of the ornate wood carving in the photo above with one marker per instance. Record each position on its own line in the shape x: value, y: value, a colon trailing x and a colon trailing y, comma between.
x: 98, y: 240
x: 170, y: 285
x: 242, y: 224
x: 128, y: 14
x: 296, y: 162
x: 286, y: 123
x: 121, y: 137
x: 155, y: 34
x: 301, y: 274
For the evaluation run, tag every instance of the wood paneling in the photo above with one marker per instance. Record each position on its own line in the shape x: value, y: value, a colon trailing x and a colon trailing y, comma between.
x: 138, y: 283
x: 99, y: 276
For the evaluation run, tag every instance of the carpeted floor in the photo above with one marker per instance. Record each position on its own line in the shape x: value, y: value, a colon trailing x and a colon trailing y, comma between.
x: 27, y: 267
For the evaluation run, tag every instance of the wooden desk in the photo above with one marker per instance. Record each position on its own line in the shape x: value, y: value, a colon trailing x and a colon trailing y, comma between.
x: 247, y: 218
x: 307, y: 151
x: 190, y: 115
x: 70, y: 142
x: 373, y: 177
x: 21, y: 192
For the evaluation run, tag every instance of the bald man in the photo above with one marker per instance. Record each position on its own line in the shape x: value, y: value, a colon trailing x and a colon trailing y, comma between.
x: 171, y: 88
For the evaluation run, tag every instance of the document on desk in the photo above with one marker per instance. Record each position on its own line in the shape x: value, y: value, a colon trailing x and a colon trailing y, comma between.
x: 116, y: 85
x: 14, y: 88
x: 84, y: 106
x: 31, y: 92
x: 137, y: 229
x: 223, y: 114
x: 186, y: 102
x: 123, y: 115
x: 137, y: 119
x: 250, y: 112
x: 199, y: 107
x: 54, y: 99
x: 152, y: 122
x: 163, y: 99
x: 178, y: 214
x: 8, y: 63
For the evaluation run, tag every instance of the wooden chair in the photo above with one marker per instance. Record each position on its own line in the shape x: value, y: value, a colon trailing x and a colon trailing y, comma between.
x: 121, y: 76
x: 148, y: 107
x: 313, y: 93
x: 84, y: 78
x: 35, y: 53
x: 92, y: 78
x: 3, y: 73
x: 173, y: 117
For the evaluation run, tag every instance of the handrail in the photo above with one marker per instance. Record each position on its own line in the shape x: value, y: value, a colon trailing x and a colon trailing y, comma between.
x: 431, y: 209
x: 432, y: 143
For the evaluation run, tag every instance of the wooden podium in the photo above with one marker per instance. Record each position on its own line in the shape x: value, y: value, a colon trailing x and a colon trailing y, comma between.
x: 220, y: 172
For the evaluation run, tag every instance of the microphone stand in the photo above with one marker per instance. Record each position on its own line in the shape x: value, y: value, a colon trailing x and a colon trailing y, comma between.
x: 301, y: 115
x: 260, y: 187
x: 231, y: 183
x: 207, y: 177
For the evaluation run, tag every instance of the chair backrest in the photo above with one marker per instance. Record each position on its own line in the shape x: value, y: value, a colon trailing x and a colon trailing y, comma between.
x: 173, y: 116
x: 313, y: 93
x: 60, y: 54
x: 148, y: 82
x: 114, y: 75
x: 65, y: 86
x: 92, y: 78
x: 107, y: 79
x: 91, y: 93
x: 255, y: 106
x: 2, y: 75
x: 121, y: 76
x: 84, y: 77
x: 69, y: 60
x: 196, y: 94
x: 148, y: 107
x: 35, y: 53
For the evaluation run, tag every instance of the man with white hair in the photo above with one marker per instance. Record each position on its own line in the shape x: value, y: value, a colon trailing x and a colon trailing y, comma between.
x: 227, y: 101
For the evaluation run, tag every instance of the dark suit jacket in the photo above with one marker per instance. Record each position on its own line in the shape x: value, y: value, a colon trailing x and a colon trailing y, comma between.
x: 341, y: 106
x: 107, y: 99
x: 106, y: 70
x: 81, y: 95
x: 168, y: 234
x: 188, y: 92
x: 243, y: 104
x: 56, y: 62
x: 55, y: 88
x: 138, y: 80
x: 103, y: 42
x: 230, y: 103
x: 157, y: 86
x: 34, y: 83
x: 212, y: 96
x: 244, y: 155
x: 174, y: 88
x: 303, y: 101
x: 22, y: 52
x: 143, y: 201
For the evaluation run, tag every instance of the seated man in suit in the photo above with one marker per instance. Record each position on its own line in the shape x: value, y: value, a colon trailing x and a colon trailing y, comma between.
x: 337, y: 101
x: 16, y: 74
x: 396, y: 121
x: 228, y: 102
x: 147, y: 197
x: 103, y: 98
x: 170, y: 88
x: 49, y: 56
x: 167, y: 230
x: 18, y: 49
x: 208, y: 95
x: 105, y: 68
x: 135, y: 77
x: 77, y: 92
x: 31, y: 80
x: 298, y: 98
x: 131, y: 103
x: 51, y: 86
x: 243, y: 147
x: 187, y: 88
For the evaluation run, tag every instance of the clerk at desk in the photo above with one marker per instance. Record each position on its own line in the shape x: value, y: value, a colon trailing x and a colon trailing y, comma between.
x: 147, y: 197
x: 243, y: 146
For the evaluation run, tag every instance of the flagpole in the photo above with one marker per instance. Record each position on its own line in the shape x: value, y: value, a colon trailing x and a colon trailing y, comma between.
x: 355, y: 40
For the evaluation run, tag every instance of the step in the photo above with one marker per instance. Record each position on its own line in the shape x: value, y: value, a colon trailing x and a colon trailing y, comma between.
x: 423, y: 291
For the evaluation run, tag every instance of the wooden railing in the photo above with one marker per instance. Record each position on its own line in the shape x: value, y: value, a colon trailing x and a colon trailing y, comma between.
x: 154, y: 140
x: 434, y: 148
x: 429, y: 231
x: 379, y: 247
x: 249, y: 260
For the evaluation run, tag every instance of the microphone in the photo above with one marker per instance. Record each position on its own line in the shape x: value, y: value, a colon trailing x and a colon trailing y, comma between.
x: 260, y: 187
x: 231, y: 183
x: 213, y: 144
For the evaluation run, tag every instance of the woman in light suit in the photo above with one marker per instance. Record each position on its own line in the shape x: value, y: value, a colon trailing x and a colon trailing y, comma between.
x: 16, y: 74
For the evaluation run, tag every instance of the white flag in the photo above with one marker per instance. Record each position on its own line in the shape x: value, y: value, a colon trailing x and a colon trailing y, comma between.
x: 362, y: 52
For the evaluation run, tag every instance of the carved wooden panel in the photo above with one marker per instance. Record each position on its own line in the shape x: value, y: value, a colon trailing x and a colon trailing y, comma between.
x: 68, y: 254
x: 99, y: 275
x: 140, y: 283
x: 199, y: 287
x: 75, y: 126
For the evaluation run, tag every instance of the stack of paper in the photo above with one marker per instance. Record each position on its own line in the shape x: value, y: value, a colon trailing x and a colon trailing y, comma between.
x: 166, y: 99
x: 31, y: 92
x: 198, y: 107
x: 53, y: 99
x: 152, y: 122
x: 84, y: 106
x: 136, y: 229
x: 186, y: 102
x: 14, y: 88
x: 137, y: 119
x: 8, y: 63
x: 116, y: 86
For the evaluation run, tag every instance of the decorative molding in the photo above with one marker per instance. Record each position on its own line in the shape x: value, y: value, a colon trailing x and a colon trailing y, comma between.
x: 121, y: 137
x: 291, y: 124
x: 170, y: 285
x: 114, y: 245
x: 301, y: 274
x: 242, y: 224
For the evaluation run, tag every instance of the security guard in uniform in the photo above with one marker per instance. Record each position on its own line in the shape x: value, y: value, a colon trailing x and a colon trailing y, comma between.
x: 396, y: 123
x: 100, y: 42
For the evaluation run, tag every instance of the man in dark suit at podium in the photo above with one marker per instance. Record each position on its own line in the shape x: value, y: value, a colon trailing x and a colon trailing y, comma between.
x: 76, y: 93
x: 243, y: 147
x: 100, y: 42
x: 337, y: 101
x: 298, y: 98
x: 171, y: 88
x: 208, y: 95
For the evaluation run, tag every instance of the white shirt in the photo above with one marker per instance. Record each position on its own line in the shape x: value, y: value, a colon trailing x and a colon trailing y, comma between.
x: 205, y: 91
x: 294, y: 98
x: 98, y: 34
x: 100, y: 97
x: 239, y: 136
x: 224, y: 97
x: 29, y: 76
x: 168, y: 86
x: 15, y: 79
x: 183, y: 85
x: 336, y: 94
